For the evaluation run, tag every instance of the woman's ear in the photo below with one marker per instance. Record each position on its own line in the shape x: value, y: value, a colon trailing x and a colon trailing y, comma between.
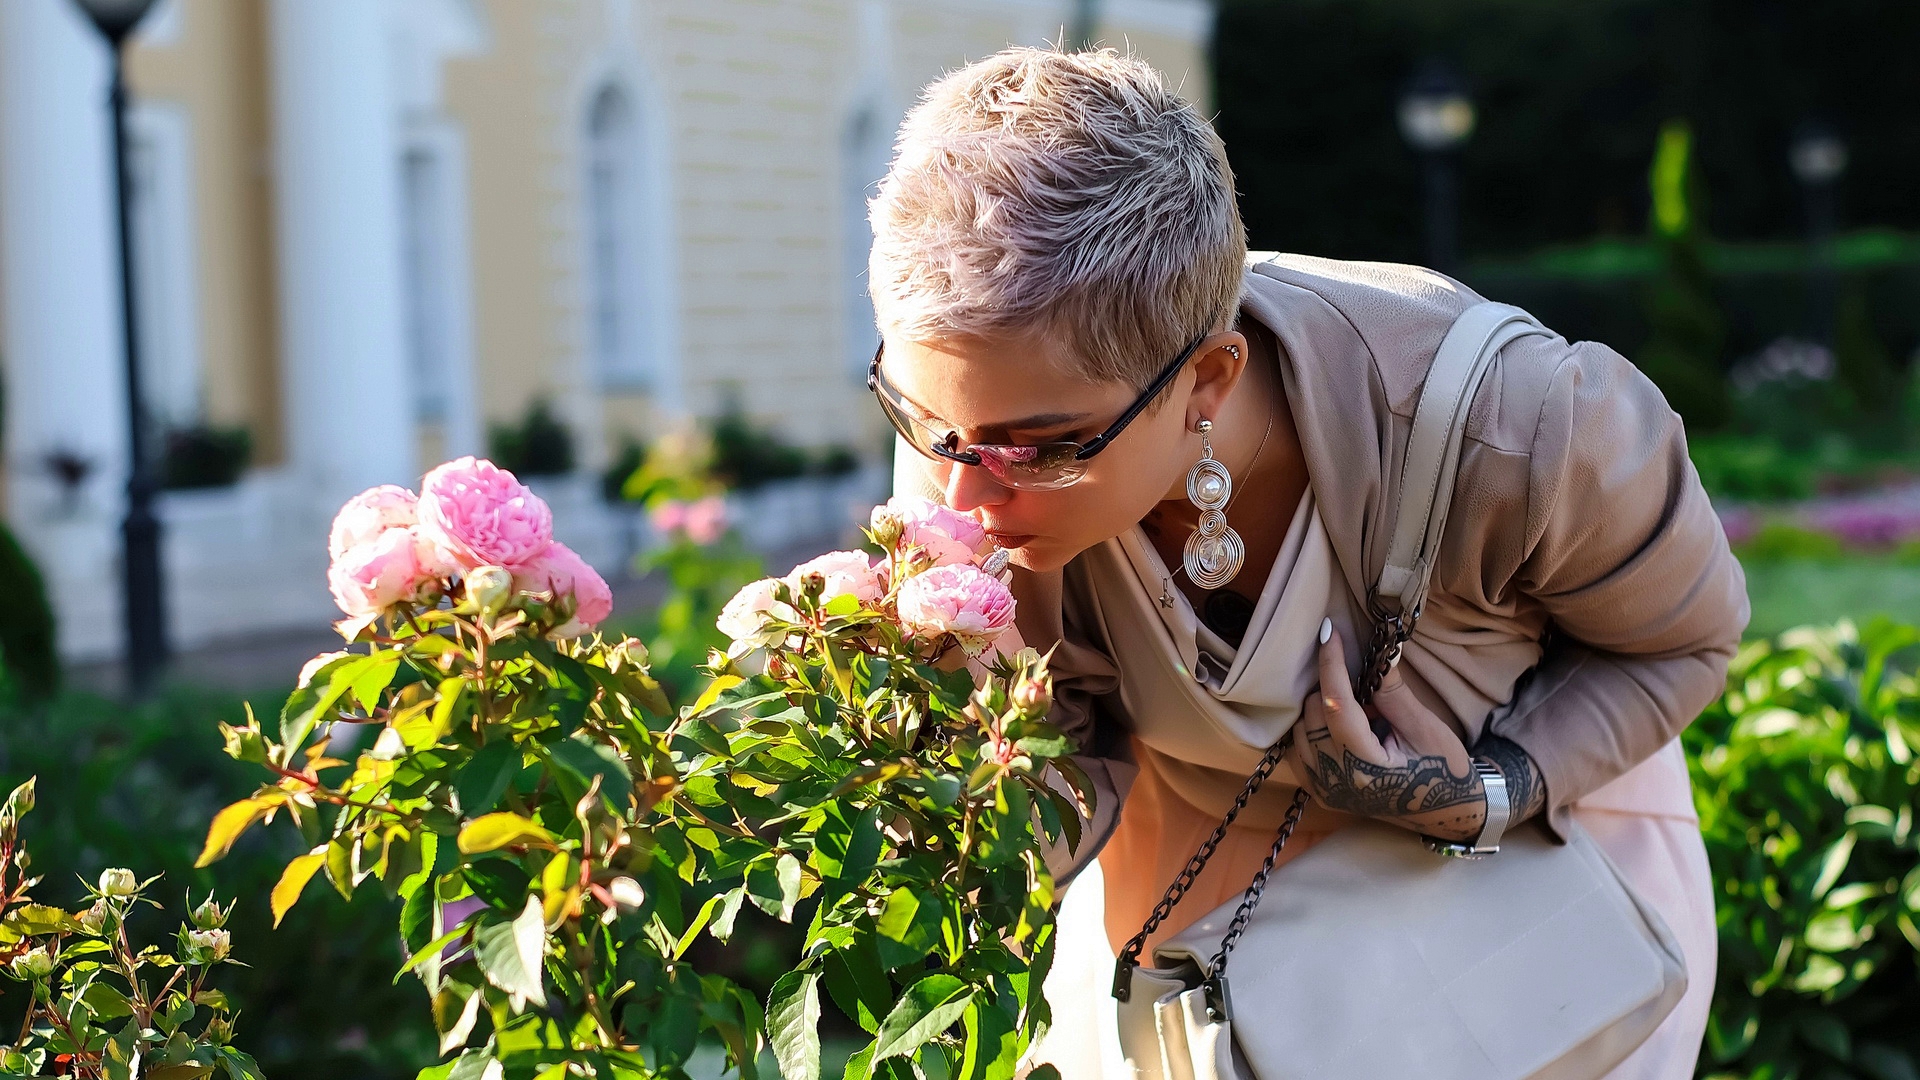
x: 1217, y: 368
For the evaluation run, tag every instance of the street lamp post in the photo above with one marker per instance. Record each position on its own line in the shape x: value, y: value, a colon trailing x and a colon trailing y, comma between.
x: 146, y: 623
x: 1436, y: 119
x: 1818, y: 157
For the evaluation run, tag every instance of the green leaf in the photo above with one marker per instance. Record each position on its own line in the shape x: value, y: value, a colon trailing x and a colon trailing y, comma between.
x: 992, y: 1048
x: 909, y: 928
x: 586, y: 759
x: 486, y: 776
x: 848, y: 850
x: 860, y: 1065
x: 373, y: 675
x: 240, y: 1066
x: 31, y: 920
x: 858, y: 983
x: 233, y: 820
x: 499, y: 882
x: 793, y: 1024
x: 491, y: 832
x: 1833, y: 864
x: 106, y: 1002
x: 511, y: 954
x: 1825, y: 1033
x: 928, y: 1008
x: 476, y: 1064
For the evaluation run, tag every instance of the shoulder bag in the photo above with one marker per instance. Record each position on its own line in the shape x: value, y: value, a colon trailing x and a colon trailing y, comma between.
x: 1379, y: 959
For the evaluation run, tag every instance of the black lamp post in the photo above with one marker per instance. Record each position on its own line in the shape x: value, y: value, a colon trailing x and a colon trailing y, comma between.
x: 1818, y: 157
x: 1436, y: 119
x: 146, y: 624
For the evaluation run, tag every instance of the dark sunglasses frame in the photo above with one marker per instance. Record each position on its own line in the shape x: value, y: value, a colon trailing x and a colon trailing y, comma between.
x: 947, y: 448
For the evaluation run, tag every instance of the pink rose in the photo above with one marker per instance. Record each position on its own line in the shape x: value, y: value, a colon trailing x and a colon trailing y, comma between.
x: 374, y: 576
x: 476, y: 514
x: 745, y: 617
x: 848, y: 573
x: 946, y: 535
x: 707, y: 520
x: 367, y: 515
x: 668, y: 516
x: 959, y: 600
x: 558, y: 570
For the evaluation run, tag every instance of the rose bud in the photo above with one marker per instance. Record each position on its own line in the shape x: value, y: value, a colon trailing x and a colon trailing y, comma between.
x: 489, y: 586
x: 214, y: 944
x: 245, y: 744
x: 627, y: 893
x: 94, y: 918
x: 209, y: 915
x: 32, y: 965
x: 1033, y: 697
x: 118, y: 882
x: 886, y: 526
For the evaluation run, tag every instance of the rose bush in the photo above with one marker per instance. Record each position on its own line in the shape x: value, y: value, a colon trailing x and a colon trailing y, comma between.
x: 561, y: 835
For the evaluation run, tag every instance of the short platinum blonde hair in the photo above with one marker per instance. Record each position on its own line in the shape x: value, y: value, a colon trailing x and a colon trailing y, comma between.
x: 1070, y: 194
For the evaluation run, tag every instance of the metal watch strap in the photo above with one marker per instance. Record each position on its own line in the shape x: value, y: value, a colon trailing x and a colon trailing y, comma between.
x: 1499, y: 810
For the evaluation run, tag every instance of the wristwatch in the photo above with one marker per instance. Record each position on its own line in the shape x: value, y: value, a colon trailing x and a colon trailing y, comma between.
x: 1488, y: 842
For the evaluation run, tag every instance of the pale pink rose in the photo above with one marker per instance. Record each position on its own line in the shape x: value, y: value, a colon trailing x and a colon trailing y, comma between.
x: 367, y: 515
x: 959, y: 600
x: 668, y: 516
x: 707, y: 520
x: 947, y: 535
x: 745, y: 616
x: 558, y: 570
x: 847, y: 573
x: 374, y: 576
x: 476, y: 514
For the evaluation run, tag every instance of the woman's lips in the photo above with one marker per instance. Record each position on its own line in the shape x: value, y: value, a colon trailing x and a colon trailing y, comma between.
x: 1010, y: 540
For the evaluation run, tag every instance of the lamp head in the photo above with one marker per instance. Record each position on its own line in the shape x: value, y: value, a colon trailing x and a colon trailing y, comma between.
x: 115, y: 18
x: 1818, y: 155
x: 1435, y: 112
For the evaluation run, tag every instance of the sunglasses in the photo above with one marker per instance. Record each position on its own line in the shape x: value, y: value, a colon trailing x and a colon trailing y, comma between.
x: 1037, y: 467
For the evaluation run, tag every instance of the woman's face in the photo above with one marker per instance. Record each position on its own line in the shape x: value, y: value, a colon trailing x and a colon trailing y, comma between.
x: 1018, y: 390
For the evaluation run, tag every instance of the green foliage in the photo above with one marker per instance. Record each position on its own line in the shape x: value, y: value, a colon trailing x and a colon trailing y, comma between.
x: 559, y: 837
x: 27, y: 639
x: 97, y: 1006
x: 1863, y: 366
x: 204, y: 456
x: 1751, y: 469
x: 680, y: 632
x: 136, y: 786
x: 747, y: 456
x: 1807, y: 788
x: 613, y: 481
x: 1688, y: 333
x: 539, y: 445
x: 1778, y: 541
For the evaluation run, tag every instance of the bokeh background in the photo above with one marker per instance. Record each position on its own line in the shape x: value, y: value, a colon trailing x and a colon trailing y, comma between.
x: 619, y: 246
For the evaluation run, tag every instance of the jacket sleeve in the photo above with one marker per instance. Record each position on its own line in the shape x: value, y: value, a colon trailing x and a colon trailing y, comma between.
x: 1629, y: 560
x: 1081, y: 675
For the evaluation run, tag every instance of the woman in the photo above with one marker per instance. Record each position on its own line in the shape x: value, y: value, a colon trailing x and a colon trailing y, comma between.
x: 1070, y: 322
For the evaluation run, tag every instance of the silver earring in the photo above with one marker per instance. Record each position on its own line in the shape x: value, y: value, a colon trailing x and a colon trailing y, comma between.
x: 1214, y: 552
x: 1233, y: 351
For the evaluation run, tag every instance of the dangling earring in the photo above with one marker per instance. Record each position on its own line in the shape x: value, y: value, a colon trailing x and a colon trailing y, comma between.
x: 1214, y: 552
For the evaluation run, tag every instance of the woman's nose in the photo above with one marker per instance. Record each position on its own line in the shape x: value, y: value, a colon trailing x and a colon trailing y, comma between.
x: 968, y: 487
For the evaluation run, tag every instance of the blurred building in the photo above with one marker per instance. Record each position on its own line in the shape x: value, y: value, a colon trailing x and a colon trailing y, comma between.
x: 367, y: 229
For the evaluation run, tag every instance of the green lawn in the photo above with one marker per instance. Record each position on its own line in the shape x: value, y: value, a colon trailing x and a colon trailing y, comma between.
x: 1793, y: 592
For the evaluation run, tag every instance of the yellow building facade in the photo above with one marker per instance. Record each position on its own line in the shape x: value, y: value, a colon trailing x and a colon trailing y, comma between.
x: 366, y: 230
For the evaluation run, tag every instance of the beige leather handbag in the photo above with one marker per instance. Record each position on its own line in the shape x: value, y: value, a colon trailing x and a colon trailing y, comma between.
x: 1379, y: 959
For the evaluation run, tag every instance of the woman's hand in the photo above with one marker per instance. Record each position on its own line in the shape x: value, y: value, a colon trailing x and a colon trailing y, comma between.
x: 1418, y: 777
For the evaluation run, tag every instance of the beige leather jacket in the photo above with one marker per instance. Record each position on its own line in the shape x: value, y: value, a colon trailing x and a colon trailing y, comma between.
x: 1575, y: 505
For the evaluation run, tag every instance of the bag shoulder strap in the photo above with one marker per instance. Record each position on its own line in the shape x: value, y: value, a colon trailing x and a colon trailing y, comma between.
x: 1433, y: 449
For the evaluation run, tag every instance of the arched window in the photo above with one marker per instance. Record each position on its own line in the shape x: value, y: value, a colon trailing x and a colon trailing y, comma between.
x: 617, y: 300
x: 864, y: 150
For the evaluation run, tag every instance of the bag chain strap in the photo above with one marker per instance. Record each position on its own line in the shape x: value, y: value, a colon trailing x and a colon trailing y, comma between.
x: 1390, y: 632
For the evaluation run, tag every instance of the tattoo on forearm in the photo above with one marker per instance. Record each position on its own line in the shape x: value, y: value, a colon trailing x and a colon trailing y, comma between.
x: 1358, y: 786
x: 1526, y: 788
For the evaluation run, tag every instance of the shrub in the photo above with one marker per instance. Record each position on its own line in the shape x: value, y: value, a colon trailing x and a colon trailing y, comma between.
x: 747, y: 456
x: 623, y: 467
x: 135, y: 786
x: 1807, y: 788
x: 205, y: 457
x: 1777, y: 541
x: 1750, y: 469
x: 539, y: 445
x: 27, y: 641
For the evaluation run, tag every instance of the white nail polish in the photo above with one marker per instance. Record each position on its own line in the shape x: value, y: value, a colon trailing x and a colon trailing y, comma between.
x: 1326, y: 630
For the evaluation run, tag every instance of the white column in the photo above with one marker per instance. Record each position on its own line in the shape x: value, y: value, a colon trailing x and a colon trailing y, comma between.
x: 65, y: 387
x: 348, y: 401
